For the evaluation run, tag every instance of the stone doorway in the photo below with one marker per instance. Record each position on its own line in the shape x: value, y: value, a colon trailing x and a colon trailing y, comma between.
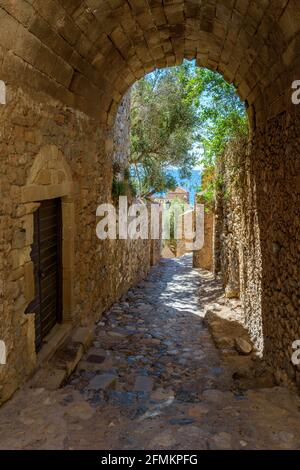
x: 46, y: 256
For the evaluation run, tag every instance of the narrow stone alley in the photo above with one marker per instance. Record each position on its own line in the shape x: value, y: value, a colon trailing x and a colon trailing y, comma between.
x: 153, y: 379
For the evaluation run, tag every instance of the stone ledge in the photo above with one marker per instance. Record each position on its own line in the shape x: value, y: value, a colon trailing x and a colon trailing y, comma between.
x: 226, y: 327
x: 61, y: 355
x: 225, y: 323
x: 53, y: 341
x: 84, y: 336
x: 40, y: 193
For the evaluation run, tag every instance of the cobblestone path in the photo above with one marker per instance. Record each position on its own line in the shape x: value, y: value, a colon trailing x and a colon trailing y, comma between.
x: 153, y: 379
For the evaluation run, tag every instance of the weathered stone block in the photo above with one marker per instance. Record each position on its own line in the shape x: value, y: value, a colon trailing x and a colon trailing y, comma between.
x: 29, y: 281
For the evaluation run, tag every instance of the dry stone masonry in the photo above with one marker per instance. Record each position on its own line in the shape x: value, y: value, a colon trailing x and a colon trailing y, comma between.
x: 66, y: 65
x: 230, y: 208
x: 204, y: 258
x: 257, y: 234
x: 121, y: 133
x: 49, y: 152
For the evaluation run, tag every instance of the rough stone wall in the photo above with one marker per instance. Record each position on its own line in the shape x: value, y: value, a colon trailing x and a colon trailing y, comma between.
x: 180, y: 248
x: 155, y: 231
x: 204, y: 258
x: 155, y: 254
x: 121, y: 132
x: 228, y: 216
x: 276, y: 164
x: 257, y: 238
x: 237, y: 256
x: 103, y: 270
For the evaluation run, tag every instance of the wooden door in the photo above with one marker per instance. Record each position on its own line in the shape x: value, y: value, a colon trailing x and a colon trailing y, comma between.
x: 46, y: 256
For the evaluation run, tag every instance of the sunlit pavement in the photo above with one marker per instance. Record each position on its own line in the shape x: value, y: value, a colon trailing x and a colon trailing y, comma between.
x: 153, y: 379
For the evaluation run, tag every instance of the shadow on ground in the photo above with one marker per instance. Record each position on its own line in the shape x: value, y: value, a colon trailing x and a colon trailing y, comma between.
x: 154, y: 379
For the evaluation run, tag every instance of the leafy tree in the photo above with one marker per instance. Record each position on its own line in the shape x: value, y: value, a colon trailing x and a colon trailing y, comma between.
x: 174, y: 111
x: 222, y: 114
x: 163, y: 129
x: 222, y: 118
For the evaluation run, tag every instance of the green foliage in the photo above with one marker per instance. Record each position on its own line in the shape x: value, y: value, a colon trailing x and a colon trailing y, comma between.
x: 123, y: 187
x: 222, y: 119
x: 209, y: 192
x: 118, y: 188
x: 130, y: 182
x: 174, y: 111
x: 163, y: 125
x: 222, y: 115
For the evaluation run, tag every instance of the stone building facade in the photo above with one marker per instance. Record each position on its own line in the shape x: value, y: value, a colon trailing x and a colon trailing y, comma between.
x: 180, y: 194
x: 66, y: 65
x: 55, y: 152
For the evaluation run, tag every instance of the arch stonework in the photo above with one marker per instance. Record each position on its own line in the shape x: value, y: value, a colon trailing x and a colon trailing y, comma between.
x: 66, y: 65
x: 88, y: 52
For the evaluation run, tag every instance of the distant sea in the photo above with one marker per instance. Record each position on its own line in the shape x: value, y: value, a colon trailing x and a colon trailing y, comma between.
x: 191, y: 184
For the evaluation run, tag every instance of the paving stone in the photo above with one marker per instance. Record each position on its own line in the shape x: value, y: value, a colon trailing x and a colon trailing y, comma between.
x: 131, y: 384
x: 162, y: 395
x: 81, y: 410
x: 221, y: 441
x: 198, y: 410
x: 96, y: 359
x: 216, y: 396
x: 50, y: 379
x: 119, y: 333
x: 165, y: 439
x: 143, y: 384
x: 243, y: 346
x: 181, y: 421
x: 101, y: 382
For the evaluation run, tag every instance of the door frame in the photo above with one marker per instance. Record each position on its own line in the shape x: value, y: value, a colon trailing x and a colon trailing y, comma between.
x: 50, y: 166
x: 39, y: 297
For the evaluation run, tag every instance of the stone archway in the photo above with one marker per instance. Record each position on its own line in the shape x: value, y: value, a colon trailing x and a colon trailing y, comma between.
x: 67, y: 64
x: 86, y: 54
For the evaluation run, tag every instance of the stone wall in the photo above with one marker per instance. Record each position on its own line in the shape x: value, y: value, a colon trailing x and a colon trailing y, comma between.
x: 48, y: 150
x: 257, y: 249
x: 204, y: 258
x: 276, y: 165
x: 230, y: 177
x: 237, y: 255
x: 155, y: 253
x: 155, y: 231
x: 121, y: 132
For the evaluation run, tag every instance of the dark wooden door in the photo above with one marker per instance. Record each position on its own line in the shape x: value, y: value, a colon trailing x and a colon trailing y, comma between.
x: 46, y: 256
